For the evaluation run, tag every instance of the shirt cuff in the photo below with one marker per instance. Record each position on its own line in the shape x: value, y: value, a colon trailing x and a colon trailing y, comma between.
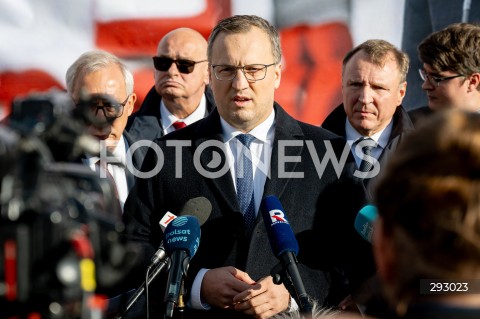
x: 195, y: 301
x: 293, y: 306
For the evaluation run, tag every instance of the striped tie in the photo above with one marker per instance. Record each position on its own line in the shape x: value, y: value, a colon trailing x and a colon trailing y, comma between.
x: 366, y: 166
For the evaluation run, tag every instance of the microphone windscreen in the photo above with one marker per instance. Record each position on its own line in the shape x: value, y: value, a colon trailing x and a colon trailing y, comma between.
x: 279, y: 232
x: 183, y: 233
x: 199, y: 207
x: 364, y: 221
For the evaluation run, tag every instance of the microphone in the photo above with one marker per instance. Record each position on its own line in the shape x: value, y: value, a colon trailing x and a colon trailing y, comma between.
x: 199, y: 207
x: 181, y: 240
x: 285, y: 247
x: 364, y: 222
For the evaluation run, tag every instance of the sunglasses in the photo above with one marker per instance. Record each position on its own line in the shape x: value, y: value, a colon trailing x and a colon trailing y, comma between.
x: 111, y: 108
x: 183, y: 66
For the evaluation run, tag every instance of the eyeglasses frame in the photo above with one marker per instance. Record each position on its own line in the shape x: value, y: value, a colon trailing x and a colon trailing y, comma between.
x: 121, y: 105
x: 425, y: 76
x: 242, y: 68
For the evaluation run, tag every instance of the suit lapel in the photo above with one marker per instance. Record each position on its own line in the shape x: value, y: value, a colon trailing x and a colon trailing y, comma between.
x: 136, y: 159
x: 286, y: 129
x: 209, y: 133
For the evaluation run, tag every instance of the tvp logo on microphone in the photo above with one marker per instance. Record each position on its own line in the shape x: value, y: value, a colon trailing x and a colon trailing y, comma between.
x: 277, y: 216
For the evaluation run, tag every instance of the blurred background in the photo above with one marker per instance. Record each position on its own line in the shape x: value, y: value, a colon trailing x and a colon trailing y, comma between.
x: 41, y: 38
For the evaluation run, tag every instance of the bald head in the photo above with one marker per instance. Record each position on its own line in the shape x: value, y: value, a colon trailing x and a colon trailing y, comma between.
x: 189, y: 40
x: 181, y: 90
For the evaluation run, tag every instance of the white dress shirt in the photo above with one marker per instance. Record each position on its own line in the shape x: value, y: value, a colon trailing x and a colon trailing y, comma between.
x: 167, y: 119
x: 381, y: 138
x: 116, y: 171
x: 261, y: 149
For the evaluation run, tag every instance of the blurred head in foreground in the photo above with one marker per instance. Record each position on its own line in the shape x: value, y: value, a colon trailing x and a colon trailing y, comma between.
x: 428, y: 199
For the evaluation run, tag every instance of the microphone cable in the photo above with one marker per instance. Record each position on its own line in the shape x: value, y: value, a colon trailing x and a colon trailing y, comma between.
x: 146, y: 293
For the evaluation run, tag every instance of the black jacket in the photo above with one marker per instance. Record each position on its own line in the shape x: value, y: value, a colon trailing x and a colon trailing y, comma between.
x: 420, y: 114
x: 402, y: 124
x: 312, y: 203
x: 145, y: 124
x: 376, y: 305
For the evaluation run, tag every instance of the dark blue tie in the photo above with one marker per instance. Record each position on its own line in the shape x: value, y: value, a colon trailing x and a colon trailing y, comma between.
x: 366, y: 166
x: 244, y: 176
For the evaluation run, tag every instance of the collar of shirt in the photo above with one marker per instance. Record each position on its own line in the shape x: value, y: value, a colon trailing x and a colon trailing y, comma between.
x: 263, y: 132
x: 118, y: 172
x: 118, y: 155
x: 381, y: 138
x: 167, y: 119
x: 261, y: 150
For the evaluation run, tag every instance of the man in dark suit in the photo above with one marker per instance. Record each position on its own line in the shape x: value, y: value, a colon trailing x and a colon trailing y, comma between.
x: 101, y: 83
x: 373, y: 87
x: 181, y: 94
x: 229, y: 277
x: 372, y: 119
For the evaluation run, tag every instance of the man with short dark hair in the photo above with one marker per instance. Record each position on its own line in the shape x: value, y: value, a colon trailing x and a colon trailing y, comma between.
x: 246, y: 149
x: 451, y: 69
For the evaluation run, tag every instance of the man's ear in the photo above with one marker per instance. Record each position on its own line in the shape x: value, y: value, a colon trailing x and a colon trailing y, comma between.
x: 131, y: 104
x: 278, y: 74
x: 384, y: 252
x: 401, y: 92
x: 474, y: 82
x: 207, y: 74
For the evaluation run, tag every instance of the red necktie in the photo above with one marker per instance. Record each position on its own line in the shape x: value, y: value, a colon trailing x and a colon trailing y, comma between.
x: 178, y: 125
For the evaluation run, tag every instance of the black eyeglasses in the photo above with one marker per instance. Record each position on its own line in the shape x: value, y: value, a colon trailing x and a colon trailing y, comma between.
x: 111, y: 108
x: 184, y: 66
x: 434, y: 80
x: 252, y: 72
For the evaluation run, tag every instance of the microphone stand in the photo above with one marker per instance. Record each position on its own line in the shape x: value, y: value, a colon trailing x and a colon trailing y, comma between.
x: 162, y: 264
x: 280, y: 274
x: 180, y: 308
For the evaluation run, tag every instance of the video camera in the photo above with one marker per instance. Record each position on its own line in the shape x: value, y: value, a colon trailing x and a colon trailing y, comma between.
x: 60, y: 231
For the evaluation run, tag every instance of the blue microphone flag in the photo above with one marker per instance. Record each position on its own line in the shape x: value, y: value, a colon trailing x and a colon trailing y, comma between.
x: 279, y: 232
x: 183, y: 233
x: 365, y: 220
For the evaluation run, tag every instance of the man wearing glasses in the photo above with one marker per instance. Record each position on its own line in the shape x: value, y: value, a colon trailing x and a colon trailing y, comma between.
x: 451, y: 69
x: 244, y: 150
x: 102, y: 86
x: 181, y: 95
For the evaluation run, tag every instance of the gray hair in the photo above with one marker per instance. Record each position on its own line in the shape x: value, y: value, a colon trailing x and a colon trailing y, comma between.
x: 377, y: 51
x: 93, y: 61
